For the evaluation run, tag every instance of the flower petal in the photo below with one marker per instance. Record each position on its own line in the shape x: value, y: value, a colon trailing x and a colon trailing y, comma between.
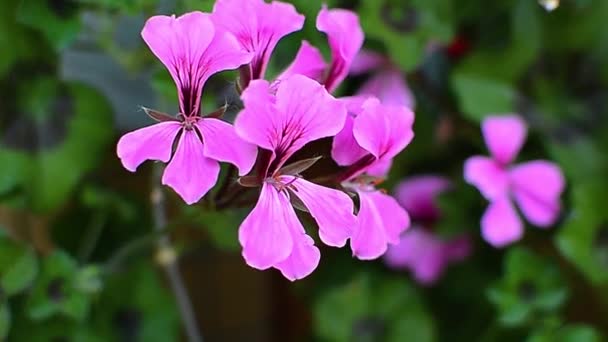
x: 537, y: 187
x: 190, y: 173
x: 345, y: 149
x: 221, y: 143
x: 504, y: 136
x: 418, y: 196
x: 380, y: 221
x: 304, y: 111
x: 192, y: 50
x: 345, y: 38
x: 366, y: 61
x: 149, y: 143
x: 258, y: 26
x: 490, y: 178
x: 265, y: 234
x: 304, y: 257
x: 500, y: 224
x: 332, y: 209
x: 389, y: 86
x: 308, y: 62
x: 383, y: 130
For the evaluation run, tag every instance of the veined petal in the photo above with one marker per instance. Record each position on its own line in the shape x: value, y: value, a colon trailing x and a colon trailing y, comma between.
x: 304, y: 257
x: 418, y: 196
x: 380, y: 221
x: 383, y: 130
x: 537, y: 187
x: 301, y: 111
x: 222, y: 143
x: 308, y: 62
x: 390, y: 88
x: 500, y: 224
x: 332, y: 209
x: 192, y: 50
x: 258, y: 26
x: 504, y: 136
x: 149, y: 143
x: 190, y: 173
x: 266, y: 233
x: 490, y: 178
x: 345, y: 38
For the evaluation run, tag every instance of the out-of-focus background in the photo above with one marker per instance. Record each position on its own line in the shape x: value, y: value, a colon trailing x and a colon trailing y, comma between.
x: 78, y: 253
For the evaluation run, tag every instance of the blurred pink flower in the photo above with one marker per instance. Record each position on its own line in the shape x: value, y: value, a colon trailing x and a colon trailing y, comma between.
x: 536, y: 186
x: 258, y: 26
x: 373, y: 134
x: 420, y: 250
x: 271, y: 235
x: 387, y: 83
x: 192, y: 49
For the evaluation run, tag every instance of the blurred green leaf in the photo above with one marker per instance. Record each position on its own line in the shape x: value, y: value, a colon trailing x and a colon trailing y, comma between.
x: 480, y: 96
x: 567, y: 333
x: 583, y: 239
x: 372, y: 307
x: 222, y: 227
x: 531, y: 288
x: 21, y: 273
x: 58, y: 21
x: 5, y: 319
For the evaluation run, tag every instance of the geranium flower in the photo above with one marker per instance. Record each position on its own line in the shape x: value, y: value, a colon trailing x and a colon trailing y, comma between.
x: 386, y: 82
x: 369, y: 141
x: 419, y: 249
x: 301, y: 111
x: 192, y: 49
x: 535, y: 186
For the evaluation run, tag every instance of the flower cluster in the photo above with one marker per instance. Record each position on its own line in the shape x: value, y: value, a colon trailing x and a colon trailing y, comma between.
x: 280, y: 116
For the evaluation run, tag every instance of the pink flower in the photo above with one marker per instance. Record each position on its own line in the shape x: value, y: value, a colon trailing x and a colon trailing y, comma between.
x: 419, y: 250
x: 258, y: 27
x: 535, y: 186
x: 374, y: 133
x: 345, y: 38
x: 271, y: 235
x: 192, y: 49
x: 386, y: 83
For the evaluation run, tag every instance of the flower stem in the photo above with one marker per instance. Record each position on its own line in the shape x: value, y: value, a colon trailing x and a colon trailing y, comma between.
x: 169, y: 264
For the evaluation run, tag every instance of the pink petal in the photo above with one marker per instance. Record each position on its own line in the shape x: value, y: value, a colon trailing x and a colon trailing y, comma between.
x: 149, y: 143
x: 221, y: 143
x: 304, y: 257
x: 381, y: 221
x: 192, y: 50
x: 537, y: 187
x: 344, y: 149
x: 304, y: 111
x: 266, y: 233
x: 345, y: 38
x: 504, y: 136
x: 308, y: 62
x: 258, y: 26
x: 500, y: 224
x: 366, y: 61
x: 487, y: 175
x: 418, y: 196
x: 383, y: 130
x: 190, y: 173
x: 380, y: 168
x: 389, y: 86
x: 332, y: 209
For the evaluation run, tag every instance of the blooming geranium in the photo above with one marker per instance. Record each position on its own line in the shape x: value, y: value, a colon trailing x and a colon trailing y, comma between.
x: 386, y: 83
x: 192, y: 48
x: 301, y: 111
x: 535, y: 186
x: 367, y: 144
x: 419, y: 249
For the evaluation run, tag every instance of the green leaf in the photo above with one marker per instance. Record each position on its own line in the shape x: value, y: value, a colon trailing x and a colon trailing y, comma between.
x: 567, y: 333
x: 60, y: 26
x: 479, y: 96
x: 21, y: 273
x: 372, y: 307
x: 222, y: 227
x: 5, y: 320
